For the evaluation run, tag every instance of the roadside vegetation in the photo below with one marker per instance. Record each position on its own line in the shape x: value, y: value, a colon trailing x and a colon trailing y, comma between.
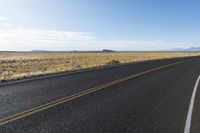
x: 113, y: 62
x: 15, y: 65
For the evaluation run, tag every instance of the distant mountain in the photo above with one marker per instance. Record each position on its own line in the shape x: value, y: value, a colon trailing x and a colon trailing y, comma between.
x: 38, y: 50
x: 187, y: 49
x: 194, y: 49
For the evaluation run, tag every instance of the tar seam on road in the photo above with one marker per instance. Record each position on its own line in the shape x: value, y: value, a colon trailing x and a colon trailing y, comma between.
x: 39, y: 108
x: 189, y: 115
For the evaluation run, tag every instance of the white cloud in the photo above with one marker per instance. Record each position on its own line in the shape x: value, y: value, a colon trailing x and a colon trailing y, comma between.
x: 3, y: 23
x: 27, y: 35
x: 36, y: 38
x: 2, y: 18
x: 6, y: 24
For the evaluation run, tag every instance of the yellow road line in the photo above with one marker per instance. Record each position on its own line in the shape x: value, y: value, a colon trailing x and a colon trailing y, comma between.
x: 76, y: 95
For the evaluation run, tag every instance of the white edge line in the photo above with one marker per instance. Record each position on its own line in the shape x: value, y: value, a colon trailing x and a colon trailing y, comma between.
x: 189, y: 115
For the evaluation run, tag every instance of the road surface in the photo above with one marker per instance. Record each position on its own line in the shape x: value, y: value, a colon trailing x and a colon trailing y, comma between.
x: 160, y: 96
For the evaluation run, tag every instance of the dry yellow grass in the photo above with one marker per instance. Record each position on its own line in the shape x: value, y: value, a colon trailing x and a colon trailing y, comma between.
x: 14, y: 65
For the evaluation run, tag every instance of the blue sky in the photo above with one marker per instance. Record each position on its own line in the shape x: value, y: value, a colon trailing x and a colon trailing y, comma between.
x: 98, y: 24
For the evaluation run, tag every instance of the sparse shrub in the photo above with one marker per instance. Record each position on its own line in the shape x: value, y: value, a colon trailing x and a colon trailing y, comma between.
x: 112, y: 62
x: 78, y: 67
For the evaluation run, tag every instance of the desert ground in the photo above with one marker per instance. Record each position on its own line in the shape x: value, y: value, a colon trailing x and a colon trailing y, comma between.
x: 16, y: 65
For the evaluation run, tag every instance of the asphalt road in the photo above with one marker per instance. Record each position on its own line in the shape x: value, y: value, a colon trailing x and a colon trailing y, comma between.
x: 132, y: 98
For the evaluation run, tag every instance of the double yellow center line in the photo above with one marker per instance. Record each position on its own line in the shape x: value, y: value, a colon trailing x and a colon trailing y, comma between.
x: 36, y: 109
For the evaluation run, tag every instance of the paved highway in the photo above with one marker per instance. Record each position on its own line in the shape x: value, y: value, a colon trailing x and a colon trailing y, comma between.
x: 161, y: 96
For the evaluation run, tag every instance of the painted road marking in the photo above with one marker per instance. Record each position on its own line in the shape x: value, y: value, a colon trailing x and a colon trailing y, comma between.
x: 189, y: 115
x: 78, y: 94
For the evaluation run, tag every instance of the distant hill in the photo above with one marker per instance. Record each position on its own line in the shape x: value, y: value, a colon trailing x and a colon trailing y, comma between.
x: 38, y: 50
x: 107, y: 50
x: 194, y: 49
x: 187, y: 49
